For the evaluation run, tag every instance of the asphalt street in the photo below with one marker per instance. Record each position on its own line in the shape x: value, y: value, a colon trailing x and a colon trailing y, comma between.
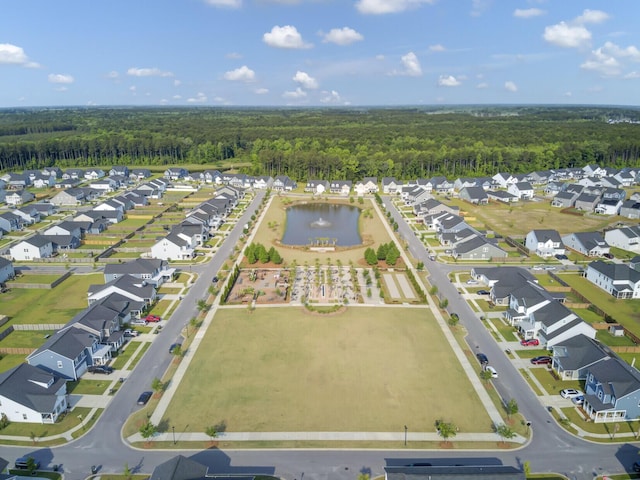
x: 551, y: 448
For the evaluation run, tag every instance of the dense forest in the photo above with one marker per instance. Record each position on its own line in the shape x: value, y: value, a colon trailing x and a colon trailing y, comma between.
x: 324, y: 143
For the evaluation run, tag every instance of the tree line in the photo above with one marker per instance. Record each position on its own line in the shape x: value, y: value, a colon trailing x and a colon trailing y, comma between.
x: 345, y: 144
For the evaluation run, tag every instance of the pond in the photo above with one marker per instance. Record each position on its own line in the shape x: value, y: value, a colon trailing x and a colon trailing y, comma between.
x: 322, y: 224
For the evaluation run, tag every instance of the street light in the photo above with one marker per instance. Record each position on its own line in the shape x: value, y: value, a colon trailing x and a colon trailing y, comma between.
x: 405, y: 435
x: 173, y: 429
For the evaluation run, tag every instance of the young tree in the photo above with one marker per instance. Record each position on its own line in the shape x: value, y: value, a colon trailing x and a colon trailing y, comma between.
x: 203, y: 306
x: 370, y: 256
x: 446, y: 429
x: 511, y: 407
x: 505, y: 432
x: 382, y: 251
x: 126, y: 471
x: 211, y: 432
x: 148, y: 430
x: 263, y: 254
x: 392, y: 256
x: 420, y: 266
x: 485, y: 375
x: 157, y: 385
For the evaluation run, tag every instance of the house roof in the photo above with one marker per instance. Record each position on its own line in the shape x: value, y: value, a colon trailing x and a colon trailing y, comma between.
x: 523, y: 186
x: 617, y: 377
x: 179, y: 468
x: 545, y: 235
x: 617, y: 272
x: 68, y: 342
x: 505, y: 279
x: 134, y: 267
x: 457, y: 472
x: 500, y: 194
x: 37, y: 240
x: 472, y: 244
x: 4, y: 262
x: 552, y: 313
x: 591, y: 240
x: 32, y: 387
x: 579, y: 351
x: 531, y: 294
x: 475, y: 193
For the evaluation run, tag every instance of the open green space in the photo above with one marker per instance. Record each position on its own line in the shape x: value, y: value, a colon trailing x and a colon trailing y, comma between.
x: 88, y: 387
x: 8, y: 361
x: 549, y: 382
x: 587, y: 315
x: 57, y: 305
x: 69, y: 421
x: 125, y: 354
x: 25, y: 338
x: 605, y: 337
x: 625, y: 312
x: 281, y: 369
x: 34, y: 279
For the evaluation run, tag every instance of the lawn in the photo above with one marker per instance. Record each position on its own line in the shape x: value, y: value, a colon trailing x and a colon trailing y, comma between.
x: 367, y: 369
x: 124, y: 355
x: 625, y: 312
x: 34, y: 279
x: 372, y: 232
x: 88, y: 387
x: 57, y: 305
x: 25, y: 339
x: 550, y: 384
x: 43, y: 430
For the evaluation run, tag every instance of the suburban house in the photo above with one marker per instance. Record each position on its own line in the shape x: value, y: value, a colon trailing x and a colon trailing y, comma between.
x: 626, y: 178
x: 504, y: 179
x: 452, y: 472
x: 564, y: 199
x: 7, y: 272
x: 175, y: 246
x: 587, y: 202
x: 544, y: 243
x: 73, y: 174
x: 154, y: 271
x: 112, y: 216
x: 94, y: 174
x: 522, y: 190
x: 317, y: 187
x: 263, y: 182
x: 29, y: 214
x: 523, y: 301
x: 31, y: 395
x: 593, y: 170
x: 464, y: 182
x: 140, y: 173
x: 540, y: 177
x: 66, y: 228
x: 341, y: 187
x: 608, y: 207
x: 135, y: 289
x: 10, y: 222
x: 44, y: 181
x: 591, y: 244
x: 52, y: 171
x: 121, y: 170
x: 44, y: 208
x: 502, y: 196
x: 175, y: 173
x: 612, y: 391
x: 477, y: 248
x: 573, y: 357
x: 283, y: 183
x: 502, y: 281
x: 66, y: 353
x: 476, y: 195
x: 630, y: 209
x: 432, y: 206
x: 19, y: 197
x: 390, y: 185
x: 555, y: 323
x: 366, y: 185
x: 69, y: 196
x: 626, y: 238
x: 618, y: 279
x: 31, y: 248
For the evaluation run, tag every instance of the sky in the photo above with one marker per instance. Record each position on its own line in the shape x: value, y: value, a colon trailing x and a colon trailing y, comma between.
x: 318, y: 52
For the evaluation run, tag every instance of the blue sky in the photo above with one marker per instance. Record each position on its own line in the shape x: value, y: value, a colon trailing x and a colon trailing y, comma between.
x: 318, y: 52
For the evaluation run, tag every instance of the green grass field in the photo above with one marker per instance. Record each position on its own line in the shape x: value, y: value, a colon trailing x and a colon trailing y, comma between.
x: 367, y: 369
x: 25, y: 339
x: 57, y: 305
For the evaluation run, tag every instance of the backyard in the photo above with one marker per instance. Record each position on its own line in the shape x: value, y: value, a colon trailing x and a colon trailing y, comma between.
x: 366, y: 369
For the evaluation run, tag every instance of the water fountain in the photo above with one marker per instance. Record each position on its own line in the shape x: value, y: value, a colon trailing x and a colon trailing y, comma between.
x: 320, y: 223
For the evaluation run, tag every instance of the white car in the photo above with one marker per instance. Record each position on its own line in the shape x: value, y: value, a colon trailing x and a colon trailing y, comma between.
x: 494, y: 373
x: 472, y: 282
x: 570, y: 393
x: 131, y: 333
x: 579, y: 400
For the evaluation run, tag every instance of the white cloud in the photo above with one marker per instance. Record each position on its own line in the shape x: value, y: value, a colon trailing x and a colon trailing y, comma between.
x: 233, y: 55
x: 592, y: 16
x: 199, y: 98
x: 569, y: 36
x: 285, y: 37
x: 528, y: 12
x: 60, y: 78
x: 261, y: 91
x: 411, y: 66
x: 14, y: 55
x: 436, y: 48
x: 148, y: 72
x: 482, y: 85
x: 242, y: 74
x: 132, y: 88
x: 630, y: 52
x: 448, y: 81
x: 224, y: 3
x: 61, y: 89
x: 342, y: 36
x: 606, y: 59
x: 297, y: 94
x: 632, y: 75
x: 331, y: 97
x: 509, y: 86
x: 568, y: 94
x: 177, y: 83
x: 305, y: 80
x: 378, y: 7
x: 478, y: 7
x: 177, y: 97
x: 113, y: 75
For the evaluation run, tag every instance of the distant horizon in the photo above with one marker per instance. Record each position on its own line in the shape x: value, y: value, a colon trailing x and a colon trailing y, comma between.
x: 309, y: 53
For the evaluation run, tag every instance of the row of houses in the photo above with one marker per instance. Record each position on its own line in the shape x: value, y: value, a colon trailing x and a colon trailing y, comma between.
x: 612, y: 387
x: 35, y: 391
x: 547, y: 243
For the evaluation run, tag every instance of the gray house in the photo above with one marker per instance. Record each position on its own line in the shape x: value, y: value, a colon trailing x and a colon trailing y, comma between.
x: 477, y: 248
x: 66, y: 353
x: 7, y: 271
x: 475, y: 195
x: 591, y: 244
x: 587, y: 202
x: 152, y: 270
x: 573, y: 357
x: 564, y: 199
x: 630, y: 209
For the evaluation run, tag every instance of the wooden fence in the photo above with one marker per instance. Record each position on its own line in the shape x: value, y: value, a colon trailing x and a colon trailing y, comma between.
x: 517, y: 245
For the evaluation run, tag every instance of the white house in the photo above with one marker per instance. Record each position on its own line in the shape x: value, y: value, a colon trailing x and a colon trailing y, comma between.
x: 522, y: 190
x: 32, y: 248
x: 544, y: 243
x: 175, y: 246
x: 626, y: 238
x: 29, y: 394
x: 618, y: 279
x: 591, y: 244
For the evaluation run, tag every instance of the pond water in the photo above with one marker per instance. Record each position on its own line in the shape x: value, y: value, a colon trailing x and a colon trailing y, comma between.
x: 322, y: 224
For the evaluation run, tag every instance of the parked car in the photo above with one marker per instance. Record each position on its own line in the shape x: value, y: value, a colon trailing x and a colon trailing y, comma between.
x: 173, y: 347
x: 542, y: 360
x: 549, y: 267
x: 152, y: 318
x: 131, y: 333
x: 608, y: 255
x: 482, y: 358
x: 490, y: 369
x: 579, y: 400
x: 22, y: 463
x: 562, y: 257
x: 636, y: 466
x: 215, y: 280
x: 106, y: 369
x: 472, y: 282
x: 570, y: 393
x: 483, y: 292
x: 144, y: 398
x: 530, y: 342
x: 138, y: 321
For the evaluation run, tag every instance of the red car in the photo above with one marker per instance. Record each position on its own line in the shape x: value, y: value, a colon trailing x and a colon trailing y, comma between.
x: 152, y: 318
x: 542, y: 360
x: 532, y: 342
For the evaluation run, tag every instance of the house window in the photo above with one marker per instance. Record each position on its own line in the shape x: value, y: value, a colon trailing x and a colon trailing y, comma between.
x: 59, y: 363
x: 24, y: 416
x: 591, y: 378
x: 600, y: 394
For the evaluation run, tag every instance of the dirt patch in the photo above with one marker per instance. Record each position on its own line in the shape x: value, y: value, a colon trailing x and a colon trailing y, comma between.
x: 264, y: 286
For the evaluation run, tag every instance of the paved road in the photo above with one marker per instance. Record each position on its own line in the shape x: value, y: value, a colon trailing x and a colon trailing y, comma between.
x: 551, y: 448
